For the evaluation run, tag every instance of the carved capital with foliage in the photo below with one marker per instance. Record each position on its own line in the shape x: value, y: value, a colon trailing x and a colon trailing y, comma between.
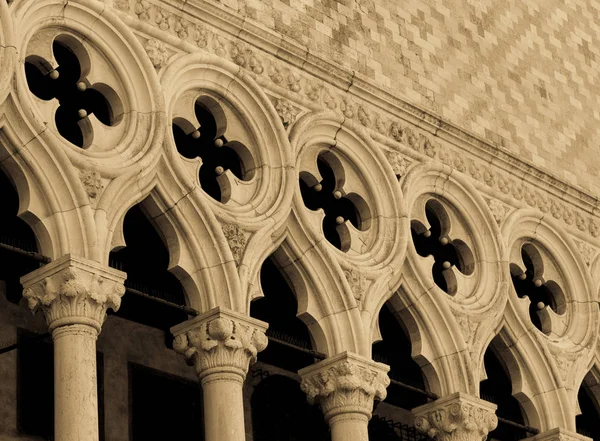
x: 220, y: 341
x: 73, y: 290
x: 457, y: 417
x: 345, y: 383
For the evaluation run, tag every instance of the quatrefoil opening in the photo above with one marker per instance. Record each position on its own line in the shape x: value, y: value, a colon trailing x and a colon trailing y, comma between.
x: 78, y: 100
x: 206, y: 138
x: 448, y: 254
x: 327, y: 193
x: 529, y: 282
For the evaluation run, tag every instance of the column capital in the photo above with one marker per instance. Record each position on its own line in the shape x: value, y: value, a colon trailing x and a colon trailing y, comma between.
x: 345, y: 384
x: 73, y: 290
x: 456, y: 417
x: 558, y: 434
x: 220, y: 341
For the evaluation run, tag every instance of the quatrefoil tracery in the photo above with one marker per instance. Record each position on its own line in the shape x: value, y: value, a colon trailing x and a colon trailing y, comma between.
x: 447, y: 253
x: 203, y: 135
x: 328, y: 194
x: 536, y: 283
x: 78, y: 99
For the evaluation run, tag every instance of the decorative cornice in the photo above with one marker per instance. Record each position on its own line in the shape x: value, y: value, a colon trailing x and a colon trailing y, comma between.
x: 345, y: 383
x: 285, y: 67
x: 457, y: 417
x: 220, y: 341
x: 73, y: 290
x: 558, y: 434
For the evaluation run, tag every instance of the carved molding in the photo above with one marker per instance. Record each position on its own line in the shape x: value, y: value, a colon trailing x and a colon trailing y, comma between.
x: 345, y: 383
x: 220, y: 341
x: 558, y: 434
x: 73, y: 290
x: 457, y: 417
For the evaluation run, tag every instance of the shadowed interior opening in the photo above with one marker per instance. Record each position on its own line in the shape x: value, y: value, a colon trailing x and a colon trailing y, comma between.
x: 497, y: 389
x: 279, y: 308
x: 145, y: 259
x: 15, y: 232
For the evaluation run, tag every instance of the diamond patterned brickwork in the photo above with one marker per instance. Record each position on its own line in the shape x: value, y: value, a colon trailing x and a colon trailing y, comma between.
x: 521, y: 74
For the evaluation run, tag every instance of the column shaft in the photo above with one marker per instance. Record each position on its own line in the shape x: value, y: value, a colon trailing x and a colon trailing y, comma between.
x: 223, y: 407
x: 349, y: 427
x: 75, y: 383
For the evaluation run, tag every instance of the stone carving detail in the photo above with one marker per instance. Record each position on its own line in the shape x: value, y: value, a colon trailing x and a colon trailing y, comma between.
x: 157, y: 52
x: 92, y: 181
x: 142, y: 10
x: 286, y: 111
x: 237, y: 240
x: 456, y: 418
x: 357, y: 282
x: 498, y: 210
x: 279, y: 74
x: 218, y: 340
x: 345, y: 383
x: 398, y: 162
x: 587, y: 252
x: 74, y: 290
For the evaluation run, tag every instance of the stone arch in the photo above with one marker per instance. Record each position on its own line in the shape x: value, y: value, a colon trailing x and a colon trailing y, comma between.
x: 199, y: 257
x: 257, y: 208
x: 554, y: 363
x: 81, y: 187
x: 471, y: 313
x: 327, y: 309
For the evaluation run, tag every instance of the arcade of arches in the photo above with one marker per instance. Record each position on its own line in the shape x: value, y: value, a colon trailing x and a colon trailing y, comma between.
x: 230, y: 233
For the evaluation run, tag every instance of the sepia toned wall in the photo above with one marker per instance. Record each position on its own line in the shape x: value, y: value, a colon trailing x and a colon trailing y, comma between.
x: 523, y: 75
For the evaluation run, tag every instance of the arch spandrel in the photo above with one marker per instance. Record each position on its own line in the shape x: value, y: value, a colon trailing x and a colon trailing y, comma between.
x: 463, y: 318
x: 556, y: 357
x: 363, y: 261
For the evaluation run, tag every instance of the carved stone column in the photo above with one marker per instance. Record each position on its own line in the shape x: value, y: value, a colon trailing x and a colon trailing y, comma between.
x: 558, y: 434
x: 221, y: 344
x: 346, y: 385
x: 456, y: 417
x: 74, y: 294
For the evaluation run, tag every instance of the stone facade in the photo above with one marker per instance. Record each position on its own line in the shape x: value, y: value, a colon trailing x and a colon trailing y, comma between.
x: 477, y: 113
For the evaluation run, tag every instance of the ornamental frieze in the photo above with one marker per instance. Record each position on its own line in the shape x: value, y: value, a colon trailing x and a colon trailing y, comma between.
x: 304, y: 90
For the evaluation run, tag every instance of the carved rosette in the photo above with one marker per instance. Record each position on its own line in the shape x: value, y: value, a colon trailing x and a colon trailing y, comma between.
x: 73, y: 290
x: 345, y: 383
x: 457, y: 417
x: 220, y: 341
x: 558, y: 434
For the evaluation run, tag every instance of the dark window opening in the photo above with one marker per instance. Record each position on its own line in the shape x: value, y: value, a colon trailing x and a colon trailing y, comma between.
x: 145, y: 259
x: 395, y: 350
x: 383, y: 429
x: 280, y: 412
x: 163, y: 406
x: 587, y: 422
x: 497, y: 389
x: 279, y: 308
x: 35, y: 387
x: 15, y: 232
